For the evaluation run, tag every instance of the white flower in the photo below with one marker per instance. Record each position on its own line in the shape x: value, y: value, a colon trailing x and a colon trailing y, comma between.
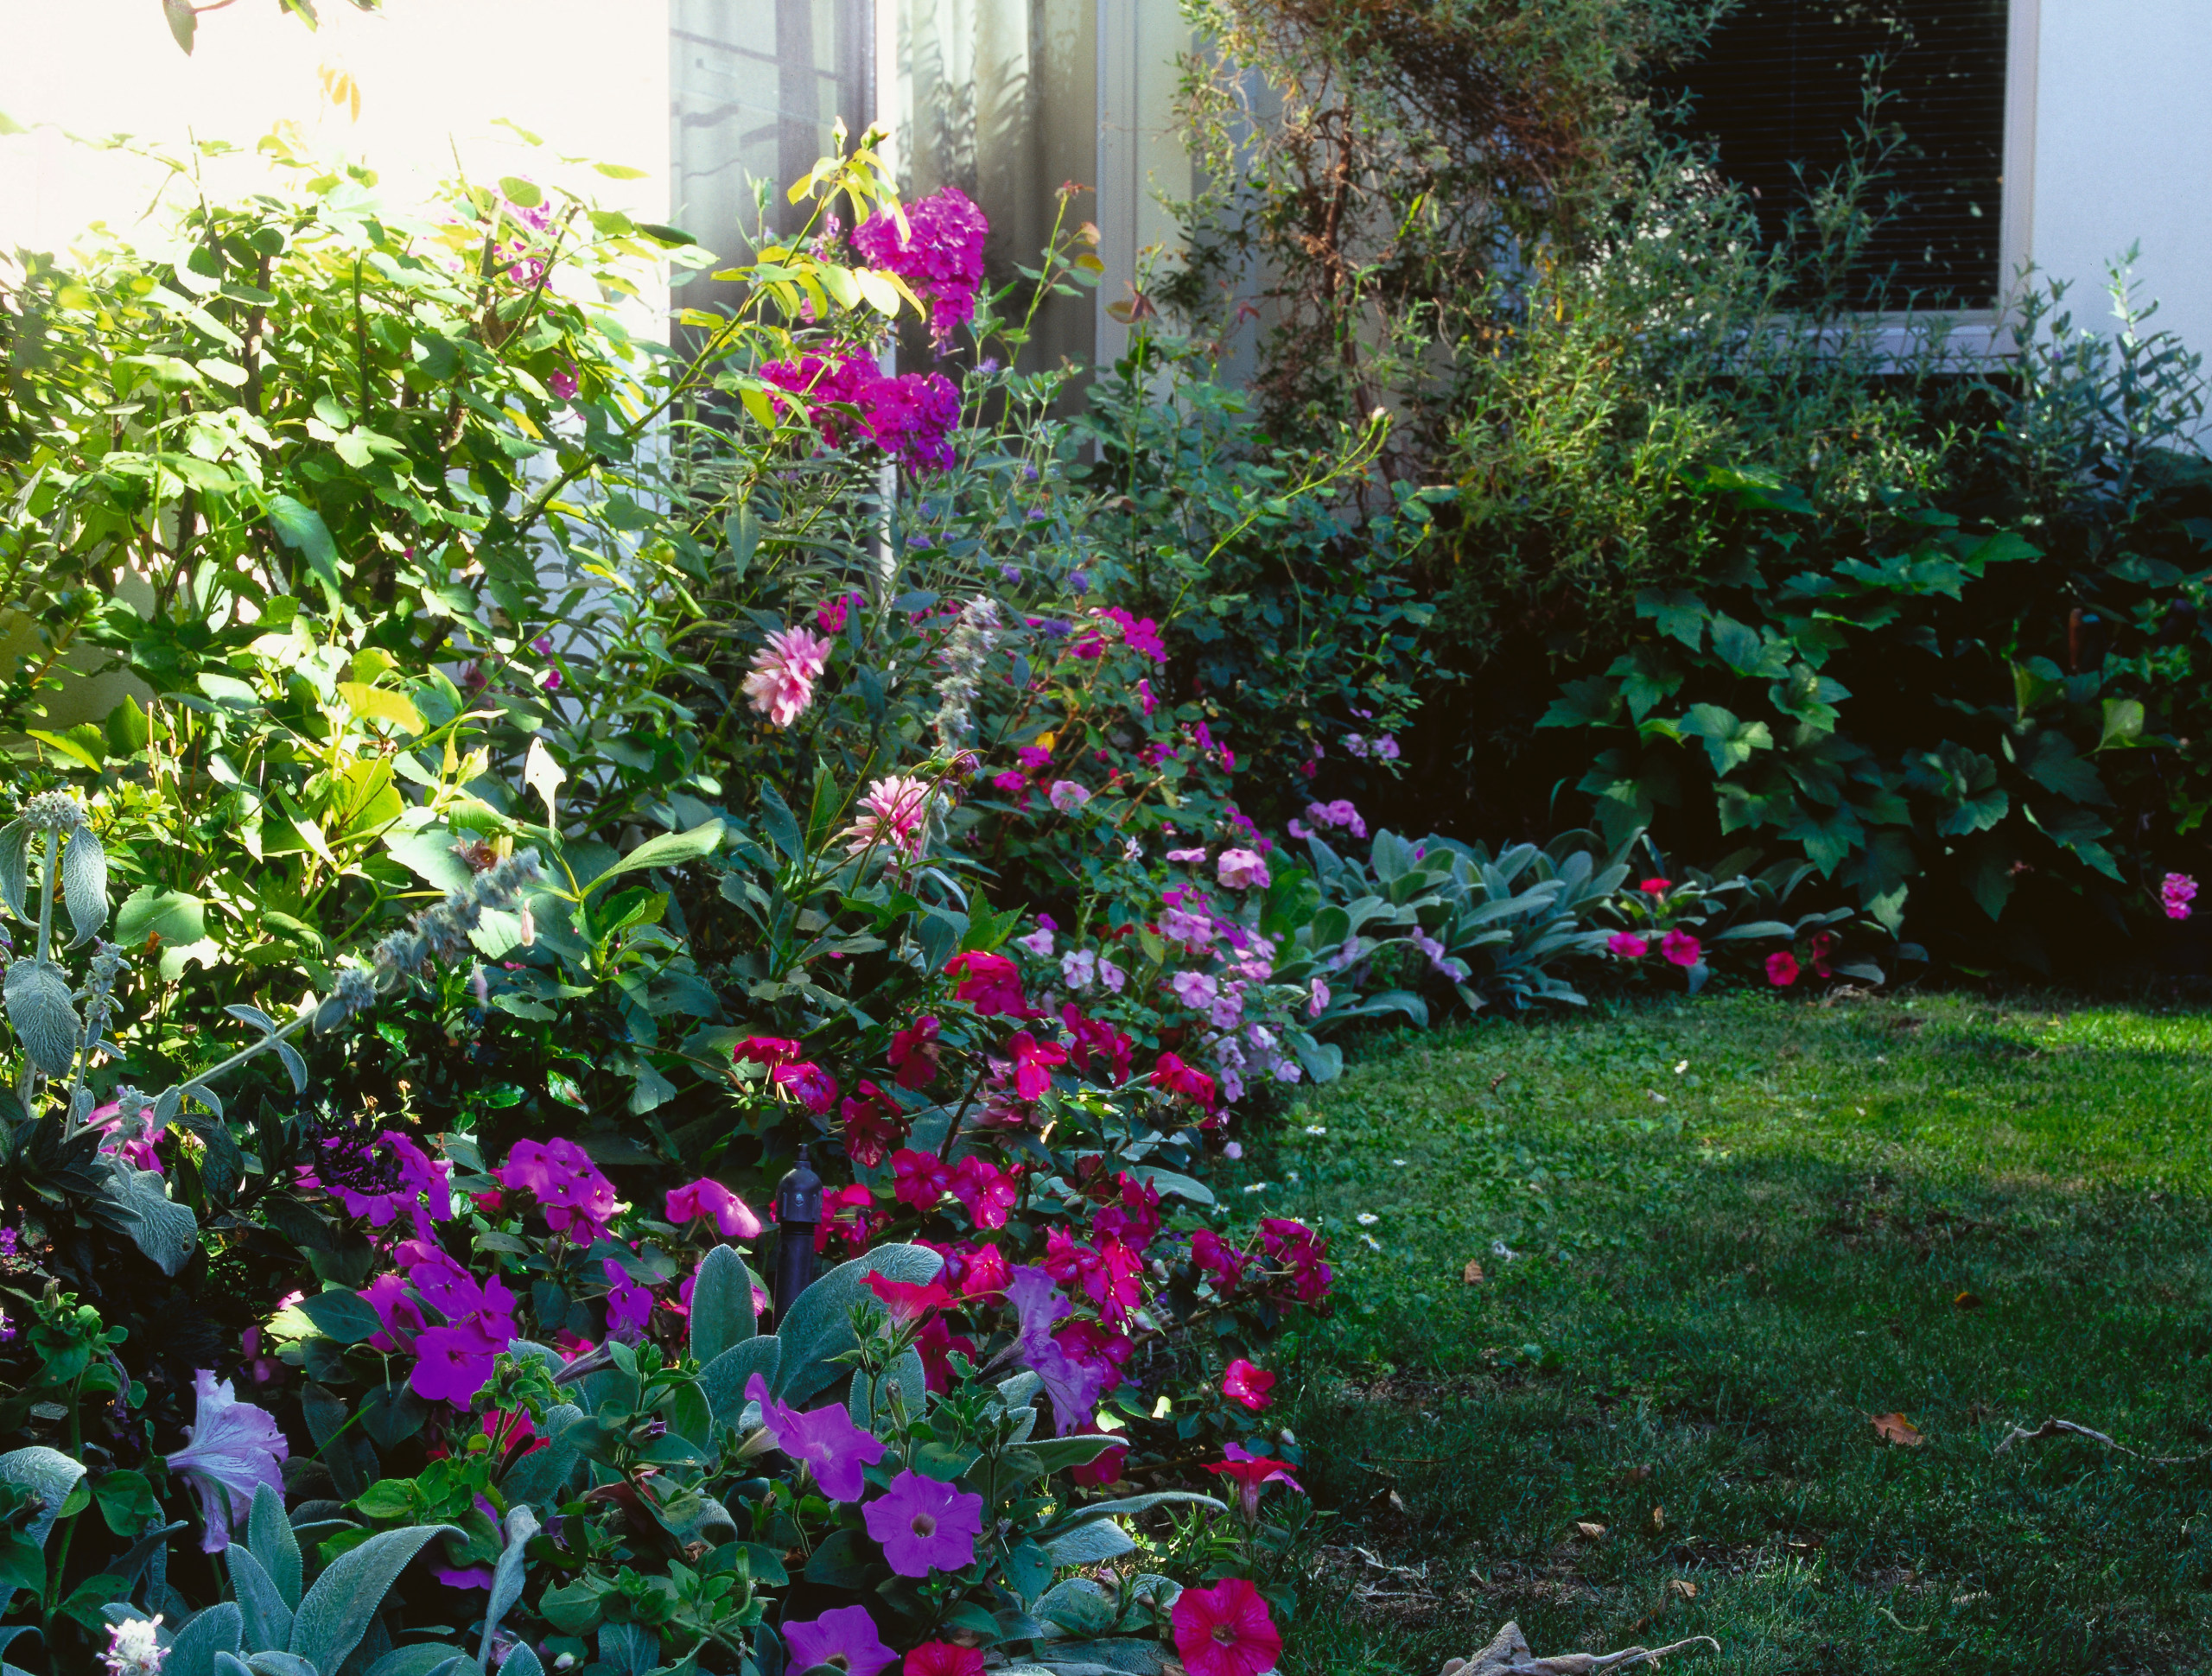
x: 134, y: 1648
x: 1317, y: 1128
x: 1367, y: 1219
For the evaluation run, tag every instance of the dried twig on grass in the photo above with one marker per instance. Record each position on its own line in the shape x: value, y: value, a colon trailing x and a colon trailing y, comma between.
x: 1509, y: 1655
x: 2055, y: 1428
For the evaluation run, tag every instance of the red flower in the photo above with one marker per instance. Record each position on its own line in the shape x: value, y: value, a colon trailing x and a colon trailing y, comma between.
x: 922, y: 1179
x: 816, y: 1089
x: 847, y: 1214
x: 914, y: 1053
x: 1225, y: 1630
x: 1252, y: 1474
x: 766, y: 1051
x: 1093, y: 1037
x: 943, y: 1659
x: 1176, y: 1077
x: 935, y: 1343
x: 907, y: 1301
x: 989, y: 983
x: 1112, y: 1278
x: 872, y: 1126
x: 1680, y: 948
x: 1781, y: 969
x: 1818, y: 948
x: 1248, y: 1386
x: 988, y: 1272
x: 1032, y: 1064
x: 987, y: 1191
x: 1655, y: 888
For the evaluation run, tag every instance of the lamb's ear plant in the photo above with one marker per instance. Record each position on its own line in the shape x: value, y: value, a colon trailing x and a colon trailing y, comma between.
x: 48, y: 1119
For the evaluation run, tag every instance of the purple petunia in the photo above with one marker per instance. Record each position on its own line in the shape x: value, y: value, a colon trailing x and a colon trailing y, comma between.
x: 826, y: 1439
x: 629, y: 1305
x: 845, y: 1639
x: 926, y: 1525
x: 235, y: 1448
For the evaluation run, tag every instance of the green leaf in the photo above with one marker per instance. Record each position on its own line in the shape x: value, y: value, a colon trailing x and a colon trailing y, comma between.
x: 1965, y: 783
x: 1729, y: 742
x: 1648, y: 677
x: 175, y: 917
x: 267, y: 1614
x: 46, y: 1024
x: 270, y: 1534
x: 1593, y: 702
x: 2052, y: 762
x: 722, y: 1304
x: 1678, y: 613
x: 301, y: 528
x: 84, y: 882
x: 50, y: 1477
x: 668, y: 850
x: 2123, y: 723
x: 336, y: 1613
x: 126, y: 729
x: 126, y: 1500
x: 818, y: 1327
x: 83, y: 744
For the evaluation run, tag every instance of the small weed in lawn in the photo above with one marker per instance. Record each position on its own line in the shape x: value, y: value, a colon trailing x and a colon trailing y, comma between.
x: 1708, y: 1319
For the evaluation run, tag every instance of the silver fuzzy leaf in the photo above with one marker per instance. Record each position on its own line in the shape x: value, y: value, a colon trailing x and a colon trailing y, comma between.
x: 165, y: 1230
x: 83, y: 883
x: 15, y: 866
x: 38, y: 1007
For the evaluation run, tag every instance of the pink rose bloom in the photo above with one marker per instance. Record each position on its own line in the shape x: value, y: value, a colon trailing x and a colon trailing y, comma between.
x: 1680, y: 948
x: 1628, y: 945
x: 1241, y: 870
x: 784, y: 671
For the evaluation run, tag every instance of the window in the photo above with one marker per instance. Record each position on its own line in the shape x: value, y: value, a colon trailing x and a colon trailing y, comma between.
x: 1781, y: 88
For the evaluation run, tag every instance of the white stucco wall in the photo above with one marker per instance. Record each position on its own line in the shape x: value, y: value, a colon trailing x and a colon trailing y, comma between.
x: 2123, y: 152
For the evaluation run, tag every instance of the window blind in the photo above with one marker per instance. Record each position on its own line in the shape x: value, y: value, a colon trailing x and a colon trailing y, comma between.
x: 1783, y: 85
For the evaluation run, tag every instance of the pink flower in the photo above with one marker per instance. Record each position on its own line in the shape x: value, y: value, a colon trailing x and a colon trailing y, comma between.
x: 578, y: 1200
x: 1038, y: 942
x: 846, y: 1639
x: 1170, y: 1073
x: 1145, y: 698
x: 766, y: 1051
x: 914, y: 1054
x: 873, y: 1126
x: 1241, y: 870
x: 1195, y: 989
x: 1781, y: 969
x: 936, y: 244
x: 1628, y: 945
x: 1067, y: 797
x: 906, y: 1300
x: 989, y: 983
x: 1340, y: 813
x: 1225, y: 1630
x: 1216, y: 1258
x: 1317, y: 998
x: 784, y: 671
x: 453, y: 1363
x: 815, y: 1088
x: 2176, y: 892
x: 629, y: 1305
x: 987, y: 1191
x: 921, y: 1178
x: 944, y: 1658
x: 1248, y: 1386
x: 1680, y: 948
x: 1032, y: 1064
x: 732, y: 1218
x: 894, y: 813
x: 1655, y: 888
x: 924, y: 1526
x: 234, y: 1449
x: 1252, y: 1474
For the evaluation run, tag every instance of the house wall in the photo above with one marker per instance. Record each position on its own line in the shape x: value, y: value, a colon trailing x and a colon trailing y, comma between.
x: 2122, y: 152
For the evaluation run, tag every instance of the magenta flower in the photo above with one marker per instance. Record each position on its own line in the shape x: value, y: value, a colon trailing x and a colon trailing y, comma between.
x: 732, y: 1218
x: 629, y: 1305
x: 936, y: 244
x: 380, y: 1179
x: 1781, y: 969
x: 920, y: 1177
x: 1241, y: 870
x: 1628, y: 945
x: 1680, y: 948
x: 924, y: 1525
x: 1654, y: 886
x: 453, y: 1363
x: 845, y: 1639
x: 234, y: 1449
x: 578, y: 1200
x: 989, y: 983
x: 895, y: 813
x: 815, y: 1087
x: 1249, y: 1387
x: 1252, y: 1474
x: 1032, y: 1074
x: 1226, y: 1630
x: 824, y: 1438
x: 1317, y: 998
x: 781, y: 685
x: 987, y: 1191
x: 2177, y: 890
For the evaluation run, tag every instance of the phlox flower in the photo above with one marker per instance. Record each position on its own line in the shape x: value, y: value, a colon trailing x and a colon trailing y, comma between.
x: 577, y: 1200
x: 1038, y: 942
x: 781, y: 685
x: 629, y: 1305
x: 2176, y: 892
x: 1317, y: 998
x: 1194, y: 989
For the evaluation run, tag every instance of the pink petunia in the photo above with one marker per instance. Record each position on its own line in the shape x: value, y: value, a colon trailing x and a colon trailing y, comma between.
x: 1680, y: 948
x: 1781, y: 969
x: 1628, y: 945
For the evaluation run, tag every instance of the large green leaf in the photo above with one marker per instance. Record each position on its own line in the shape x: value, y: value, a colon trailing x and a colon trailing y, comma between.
x: 668, y: 850
x: 173, y: 916
x: 721, y: 1303
x: 301, y: 528
x: 1728, y: 740
x: 337, y: 1611
x: 48, y: 1474
x: 819, y: 1325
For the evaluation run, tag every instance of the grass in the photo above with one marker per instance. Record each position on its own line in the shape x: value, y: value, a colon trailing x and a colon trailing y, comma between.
x: 1740, y: 1230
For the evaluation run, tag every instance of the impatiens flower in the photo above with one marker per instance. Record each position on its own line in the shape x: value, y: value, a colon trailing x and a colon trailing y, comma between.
x: 1248, y: 1386
x: 986, y: 1273
x: 1655, y: 888
x: 987, y: 1191
x: 1781, y: 969
x: 1680, y: 948
x: 578, y: 1200
x: 234, y: 1449
x: 1038, y: 942
x: 769, y: 1051
x: 844, y: 1638
x: 1068, y: 797
x: 1215, y: 1257
x: 1317, y: 998
x: 1195, y: 989
x: 1241, y: 870
x: 1033, y: 1063
x: 1628, y: 945
x: 134, y: 1648
x: 989, y: 983
x: 1188, y: 857
x: 629, y: 1305
x: 848, y: 1214
x: 815, y: 1088
x: 1225, y: 1630
x: 924, y: 1525
x: 2176, y: 892
x: 1093, y: 1035
x: 1338, y: 814
x: 1176, y: 1077
x: 1252, y: 1474
x: 907, y: 1301
x: 873, y: 1126
x: 781, y: 686
x: 1145, y: 699
x: 732, y: 1218
x: 894, y: 813
x: 943, y: 1659
x: 914, y: 1054
x: 453, y: 1363
x: 921, y: 1178
x: 824, y: 1438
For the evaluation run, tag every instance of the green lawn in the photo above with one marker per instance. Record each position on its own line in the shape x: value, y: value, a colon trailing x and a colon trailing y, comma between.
x: 1741, y: 1230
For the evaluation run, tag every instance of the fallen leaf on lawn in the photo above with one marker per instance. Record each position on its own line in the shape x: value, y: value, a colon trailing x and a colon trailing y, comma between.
x: 1967, y: 1300
x: 1681, y: 1586
x: 1658, y: 1519
x: 1472, y: 1274
x: 1896, y: 1429
x: 1637, y: 1474
x: 1593, y: 1531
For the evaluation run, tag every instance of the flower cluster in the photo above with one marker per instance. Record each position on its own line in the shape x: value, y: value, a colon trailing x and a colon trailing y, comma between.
x: 2176, y: 891
x: 935, y: 244
x: 910, y: 416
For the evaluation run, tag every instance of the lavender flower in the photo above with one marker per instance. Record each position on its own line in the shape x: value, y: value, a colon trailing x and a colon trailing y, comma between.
x: 235, y: 1449
x: 826, y: 1439
x: 846, y: 1639
x: 926, y: 1525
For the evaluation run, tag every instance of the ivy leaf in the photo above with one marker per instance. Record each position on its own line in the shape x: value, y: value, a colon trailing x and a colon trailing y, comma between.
x: 1744, y: 651
x: 2052, y: 762
x: 1648, y: 677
